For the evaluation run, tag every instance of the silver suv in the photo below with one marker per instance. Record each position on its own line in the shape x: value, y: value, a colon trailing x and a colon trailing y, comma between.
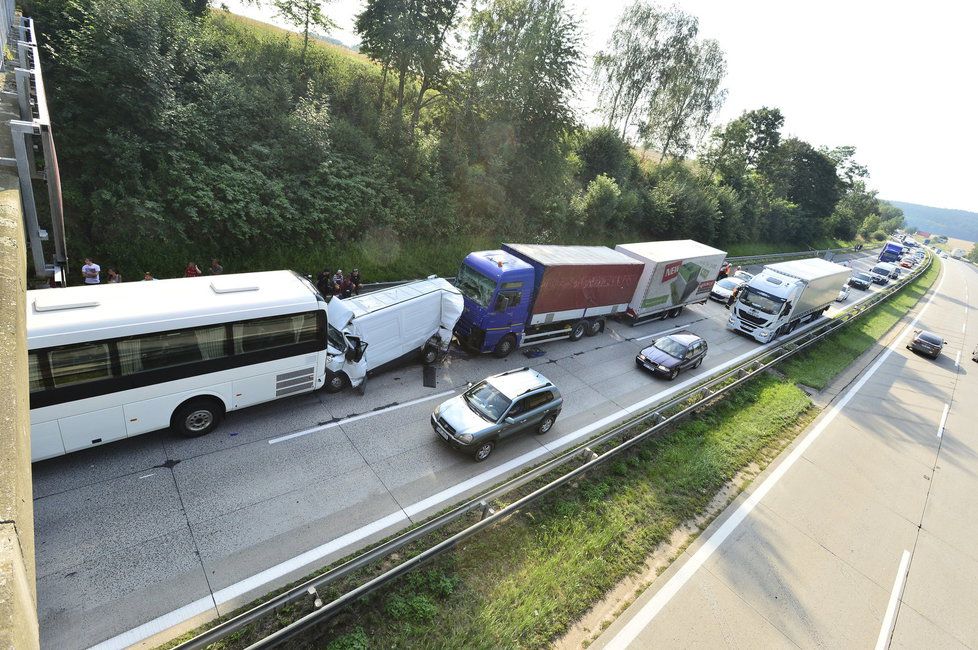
x: 495, y: 408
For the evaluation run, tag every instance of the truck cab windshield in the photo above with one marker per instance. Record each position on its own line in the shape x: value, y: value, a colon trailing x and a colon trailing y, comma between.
x: 475, y: 286
x: 761, y: 301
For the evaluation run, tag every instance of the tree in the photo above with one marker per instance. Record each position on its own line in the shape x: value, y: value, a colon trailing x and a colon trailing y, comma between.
x: 303, y: 14
x: 680, y: 114
x: 639, y: 60
x: 849, y: 170
x: 745, y: 144
x: 602, y: 151
x: 412, y: 38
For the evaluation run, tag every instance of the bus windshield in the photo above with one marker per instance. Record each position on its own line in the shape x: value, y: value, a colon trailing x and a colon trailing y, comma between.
x: 475, y: 286
x: 762, y: 301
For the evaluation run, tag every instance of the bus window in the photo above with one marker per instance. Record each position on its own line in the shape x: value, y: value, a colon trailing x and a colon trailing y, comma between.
x: 34, y: 372
x: 268, y: 333
x: 169, y: 349
x: 81, y: 363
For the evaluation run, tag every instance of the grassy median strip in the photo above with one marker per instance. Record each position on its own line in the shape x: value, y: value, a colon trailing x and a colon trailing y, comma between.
x: 820, y: 364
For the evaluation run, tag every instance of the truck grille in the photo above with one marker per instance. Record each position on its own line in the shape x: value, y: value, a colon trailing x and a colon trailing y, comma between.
x: 749, y: 318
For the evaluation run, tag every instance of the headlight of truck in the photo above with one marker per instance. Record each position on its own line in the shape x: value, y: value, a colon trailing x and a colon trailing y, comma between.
x: 464, y: 438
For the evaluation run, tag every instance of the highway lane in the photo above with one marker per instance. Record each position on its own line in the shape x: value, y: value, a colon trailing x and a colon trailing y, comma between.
x: 861, y: 534
x: 143, y: 534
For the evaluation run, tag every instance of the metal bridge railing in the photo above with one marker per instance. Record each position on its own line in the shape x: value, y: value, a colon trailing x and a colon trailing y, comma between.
x: 656, y: 420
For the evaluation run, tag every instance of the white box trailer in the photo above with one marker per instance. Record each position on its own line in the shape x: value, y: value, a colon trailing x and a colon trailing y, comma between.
x: 783, y: 295
x: 380, y: 328
x: 677, y: 273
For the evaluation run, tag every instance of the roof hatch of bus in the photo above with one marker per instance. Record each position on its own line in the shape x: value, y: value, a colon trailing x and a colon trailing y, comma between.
x: 232, y: 285
x: 54, y: 301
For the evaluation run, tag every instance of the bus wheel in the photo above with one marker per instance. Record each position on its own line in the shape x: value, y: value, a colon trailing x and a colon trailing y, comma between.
x: 197, y: 417
x: 504, y: 346
x: 336, y: 383
x: 578, y: 330
x: 595, y: 326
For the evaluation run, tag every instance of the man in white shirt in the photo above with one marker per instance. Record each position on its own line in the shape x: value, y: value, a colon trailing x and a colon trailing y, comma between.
x: 91, y: 271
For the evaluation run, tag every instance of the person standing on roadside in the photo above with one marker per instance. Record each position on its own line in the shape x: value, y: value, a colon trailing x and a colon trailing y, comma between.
x: 216, y: 268
x: 114, y: 277
x: 324, y: 283
x: 91, y: 271
x: 147, y: 277
x: 192, y: 270
x: 732, y: 298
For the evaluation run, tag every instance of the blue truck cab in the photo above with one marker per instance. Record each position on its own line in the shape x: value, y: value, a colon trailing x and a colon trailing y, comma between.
x: 497, y: 288
x: 892, y: 252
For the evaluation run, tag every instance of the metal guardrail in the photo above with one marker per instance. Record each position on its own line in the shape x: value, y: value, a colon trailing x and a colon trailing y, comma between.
x: 33, y: 141
x: 660, y: 416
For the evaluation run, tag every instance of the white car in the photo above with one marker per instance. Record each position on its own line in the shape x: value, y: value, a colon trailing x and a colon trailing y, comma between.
x: 723, y: 288
x: 843, y: 294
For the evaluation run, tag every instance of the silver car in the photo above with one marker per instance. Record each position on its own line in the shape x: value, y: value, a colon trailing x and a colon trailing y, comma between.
x: 496, y: 408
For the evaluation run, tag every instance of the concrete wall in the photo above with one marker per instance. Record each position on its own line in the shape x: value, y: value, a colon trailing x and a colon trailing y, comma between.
x: 18, y: 594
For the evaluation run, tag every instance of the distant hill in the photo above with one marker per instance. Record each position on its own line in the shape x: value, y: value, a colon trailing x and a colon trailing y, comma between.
x: 959, y: 224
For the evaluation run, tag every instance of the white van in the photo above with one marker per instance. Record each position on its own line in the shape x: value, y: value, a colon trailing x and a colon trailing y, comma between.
x: 886, y: 269
x: 383, y: 327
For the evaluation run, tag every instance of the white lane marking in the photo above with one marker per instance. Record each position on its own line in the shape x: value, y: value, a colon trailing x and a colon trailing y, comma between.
x: 362, y: 416
x: 940, y: 429
x: 661, y: 598
x: 148, y: 475
x: 957, y: 360
x: 964, y: 326
x: 889, y: 620
x: 157, y: 625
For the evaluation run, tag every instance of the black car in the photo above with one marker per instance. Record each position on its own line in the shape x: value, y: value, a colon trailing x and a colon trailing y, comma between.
x: 926, y: 343
x: 670, y: 354
x: 860, y: 280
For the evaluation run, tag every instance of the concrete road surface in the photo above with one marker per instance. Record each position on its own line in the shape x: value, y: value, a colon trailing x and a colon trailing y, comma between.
x: 158, y: 531
x: 863, y: 534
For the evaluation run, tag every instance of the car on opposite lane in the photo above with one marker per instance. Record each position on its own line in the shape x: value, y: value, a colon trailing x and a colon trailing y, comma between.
x: 496, y: 408
x: 926, y: 343
x: 669, y: 354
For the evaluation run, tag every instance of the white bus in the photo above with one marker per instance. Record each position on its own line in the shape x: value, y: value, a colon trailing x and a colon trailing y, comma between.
x: 116, y: 360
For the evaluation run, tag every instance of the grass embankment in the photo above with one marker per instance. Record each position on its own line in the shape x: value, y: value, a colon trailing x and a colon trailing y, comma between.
x: 525, y: 581
x: 819, y: 365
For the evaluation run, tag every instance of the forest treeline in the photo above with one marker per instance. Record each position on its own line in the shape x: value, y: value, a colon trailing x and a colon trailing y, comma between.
x: 186, y: 133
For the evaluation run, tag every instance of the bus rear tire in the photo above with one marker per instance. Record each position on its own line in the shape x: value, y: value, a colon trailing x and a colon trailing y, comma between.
x: 197, y: 417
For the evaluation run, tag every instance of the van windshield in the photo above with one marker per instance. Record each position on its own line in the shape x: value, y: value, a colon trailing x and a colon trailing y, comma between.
x: 335, y: 338
x: 475, y: 286
x: 762, y: 301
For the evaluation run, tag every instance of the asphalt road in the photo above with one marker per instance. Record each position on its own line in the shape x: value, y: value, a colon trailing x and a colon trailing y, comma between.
x: 144, y: 535
x: 863, y: 533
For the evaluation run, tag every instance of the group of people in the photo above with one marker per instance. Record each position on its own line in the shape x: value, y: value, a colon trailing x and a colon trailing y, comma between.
x: 92, y: 272
x: 337, y: 284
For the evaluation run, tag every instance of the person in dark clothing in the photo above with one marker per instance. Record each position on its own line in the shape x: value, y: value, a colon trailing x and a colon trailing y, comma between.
x: 733, y: 297
x: 355, y: 281
x: 324, y: 283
